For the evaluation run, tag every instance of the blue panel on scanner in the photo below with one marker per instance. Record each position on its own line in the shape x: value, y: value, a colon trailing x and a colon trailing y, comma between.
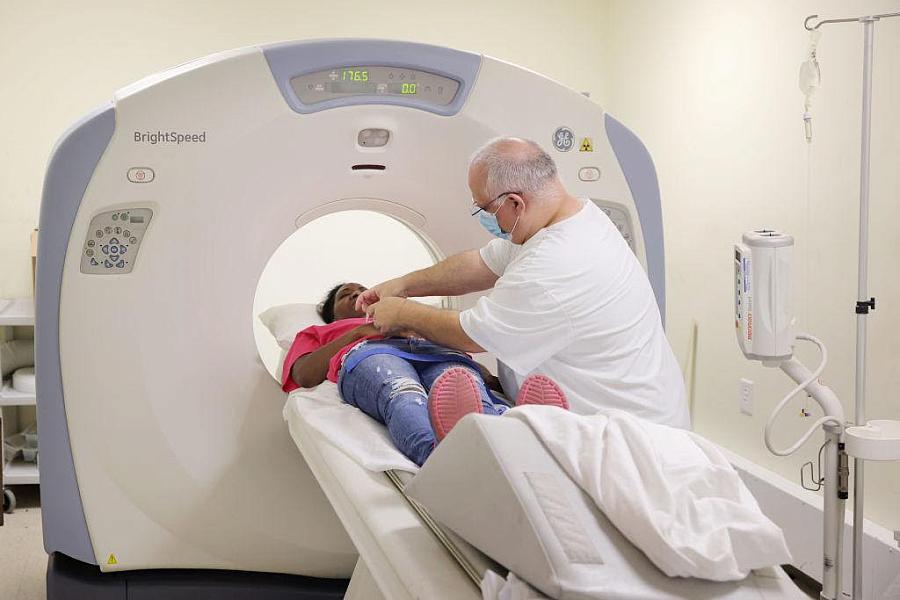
x: 640, y: 174
x: 71, y: 168
x: 290, y: 59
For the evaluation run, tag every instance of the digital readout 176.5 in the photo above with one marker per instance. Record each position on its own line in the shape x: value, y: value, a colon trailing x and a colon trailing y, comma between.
x: 354, y: 75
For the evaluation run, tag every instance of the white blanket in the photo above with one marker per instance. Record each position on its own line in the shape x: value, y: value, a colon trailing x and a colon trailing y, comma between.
x: 362, y: 438
x: 669, y: 491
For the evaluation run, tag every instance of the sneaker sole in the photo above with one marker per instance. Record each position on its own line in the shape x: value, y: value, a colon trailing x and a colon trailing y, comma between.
x: 539, y: 389
x: 453, y: 396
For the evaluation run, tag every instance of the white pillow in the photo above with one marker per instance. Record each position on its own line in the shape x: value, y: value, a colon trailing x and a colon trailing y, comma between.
x: 285, y: 320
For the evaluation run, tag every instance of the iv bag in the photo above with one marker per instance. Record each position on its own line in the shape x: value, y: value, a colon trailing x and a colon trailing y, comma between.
x: 810, y: 76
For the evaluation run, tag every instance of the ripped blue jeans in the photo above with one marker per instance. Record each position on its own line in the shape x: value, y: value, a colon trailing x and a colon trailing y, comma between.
x: 394, y: 391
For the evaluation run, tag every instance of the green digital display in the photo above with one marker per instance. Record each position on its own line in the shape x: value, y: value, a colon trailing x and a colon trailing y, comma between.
x: 354, y: 75
x: 415, y: 85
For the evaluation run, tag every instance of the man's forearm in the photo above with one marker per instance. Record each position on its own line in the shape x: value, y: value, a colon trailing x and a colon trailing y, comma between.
x: 459, y: 274
x: 437, y: 325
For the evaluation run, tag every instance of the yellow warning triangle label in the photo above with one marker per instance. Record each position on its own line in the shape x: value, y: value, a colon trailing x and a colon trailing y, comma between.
x: 112, y: 560
x: 586, y: 145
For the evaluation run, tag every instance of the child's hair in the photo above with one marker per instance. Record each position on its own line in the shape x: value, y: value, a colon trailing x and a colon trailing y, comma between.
x: 326, y: 307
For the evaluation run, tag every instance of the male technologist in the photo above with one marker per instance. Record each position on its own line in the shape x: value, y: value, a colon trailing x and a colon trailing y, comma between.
x: 568, y: 297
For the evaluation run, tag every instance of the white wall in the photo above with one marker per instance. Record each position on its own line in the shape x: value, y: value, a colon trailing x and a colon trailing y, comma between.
x: 59, y: 60
x: 711, y: 88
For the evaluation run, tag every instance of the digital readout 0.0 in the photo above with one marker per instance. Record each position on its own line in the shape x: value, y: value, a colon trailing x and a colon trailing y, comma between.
x: 369, y: 87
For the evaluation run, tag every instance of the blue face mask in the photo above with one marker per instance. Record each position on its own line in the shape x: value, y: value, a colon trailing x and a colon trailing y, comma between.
x: 489, y: 222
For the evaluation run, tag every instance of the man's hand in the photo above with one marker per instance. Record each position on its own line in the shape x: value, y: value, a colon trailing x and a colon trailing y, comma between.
x: 367, y: 330
x: 393, y: 288
x: 386, y: 315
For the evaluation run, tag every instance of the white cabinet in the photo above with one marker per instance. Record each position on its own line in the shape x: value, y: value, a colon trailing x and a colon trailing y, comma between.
x: 16, y: 313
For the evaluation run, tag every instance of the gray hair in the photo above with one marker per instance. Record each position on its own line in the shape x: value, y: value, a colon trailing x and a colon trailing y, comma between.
x: 514, y: 165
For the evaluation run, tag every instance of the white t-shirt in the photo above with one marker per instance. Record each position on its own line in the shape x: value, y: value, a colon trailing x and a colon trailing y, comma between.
x: 574, y: 303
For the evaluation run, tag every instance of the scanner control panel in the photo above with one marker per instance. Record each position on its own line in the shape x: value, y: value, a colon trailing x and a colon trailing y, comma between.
x: 622, y: 221
x: 113, y: 240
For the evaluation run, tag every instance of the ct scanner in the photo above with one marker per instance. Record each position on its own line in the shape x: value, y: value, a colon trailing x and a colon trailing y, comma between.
x: 159, y: 427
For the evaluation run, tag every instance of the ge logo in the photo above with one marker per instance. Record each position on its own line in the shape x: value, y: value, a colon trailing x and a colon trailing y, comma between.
x: 563, y: 139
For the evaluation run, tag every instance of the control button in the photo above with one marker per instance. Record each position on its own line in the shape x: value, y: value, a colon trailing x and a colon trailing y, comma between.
x: 126, y: 233
x: 99, y: 233
x: 91, y: 243
x: 120, y: 264
x: 104, y: 249
x: 94, y: 262
x: 118, y: 230
x: 373, y: 137
x: 141, y: 175
x: 115, y: 216
x: 133, y: 240
x: 122, y: 249
x: 107, y: 264
x: 89, y: 252
x: 107, y: 229
x: 114, y: 241
x: 589, y: 174
x: 113, y: 251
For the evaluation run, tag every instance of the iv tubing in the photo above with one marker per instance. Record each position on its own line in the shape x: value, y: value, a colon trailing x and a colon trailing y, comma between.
x: 833, y: 419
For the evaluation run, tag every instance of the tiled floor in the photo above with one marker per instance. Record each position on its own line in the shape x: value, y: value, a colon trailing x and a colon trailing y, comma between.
x: 23, y: 563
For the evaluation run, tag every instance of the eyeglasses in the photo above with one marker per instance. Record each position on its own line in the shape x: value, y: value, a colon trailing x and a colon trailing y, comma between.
x: 477, y: 209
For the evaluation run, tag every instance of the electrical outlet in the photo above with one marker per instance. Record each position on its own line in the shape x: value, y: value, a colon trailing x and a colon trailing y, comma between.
x: 745, y: 401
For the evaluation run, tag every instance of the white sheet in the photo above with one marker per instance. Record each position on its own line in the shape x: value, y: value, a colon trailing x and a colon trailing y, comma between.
x: 669, y: 491
x: 494, y: 587
x: 357, y: 435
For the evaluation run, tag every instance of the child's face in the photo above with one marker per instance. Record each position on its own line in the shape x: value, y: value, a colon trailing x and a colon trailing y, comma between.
x: 345, y: 301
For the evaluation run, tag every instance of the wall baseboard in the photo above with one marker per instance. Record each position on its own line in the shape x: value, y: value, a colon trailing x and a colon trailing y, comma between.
x: 799, y: 513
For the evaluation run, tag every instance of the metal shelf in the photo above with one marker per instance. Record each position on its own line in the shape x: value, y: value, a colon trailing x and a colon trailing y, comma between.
x: 16, y: 312
x: 19, y: 472
x: 13, y: 397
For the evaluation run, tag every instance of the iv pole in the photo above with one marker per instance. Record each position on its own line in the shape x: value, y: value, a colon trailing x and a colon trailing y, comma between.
x: 864, y: 304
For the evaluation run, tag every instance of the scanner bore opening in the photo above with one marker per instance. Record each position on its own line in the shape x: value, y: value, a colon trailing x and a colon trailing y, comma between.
x: 362, y: 246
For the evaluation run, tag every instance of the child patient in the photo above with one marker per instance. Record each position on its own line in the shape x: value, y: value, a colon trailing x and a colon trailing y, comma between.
x: 418, y: 389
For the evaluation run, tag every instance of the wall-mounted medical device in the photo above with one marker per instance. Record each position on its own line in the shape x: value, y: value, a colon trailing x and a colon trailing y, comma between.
x: 765, y: 332
x: 762, y: 280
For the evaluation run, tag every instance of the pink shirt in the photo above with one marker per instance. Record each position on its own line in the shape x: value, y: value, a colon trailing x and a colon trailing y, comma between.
x: 314, y: 337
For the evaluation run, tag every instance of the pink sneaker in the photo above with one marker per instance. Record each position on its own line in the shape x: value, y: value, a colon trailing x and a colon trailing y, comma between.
x: 540, y: 389
x: 453, y: 396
